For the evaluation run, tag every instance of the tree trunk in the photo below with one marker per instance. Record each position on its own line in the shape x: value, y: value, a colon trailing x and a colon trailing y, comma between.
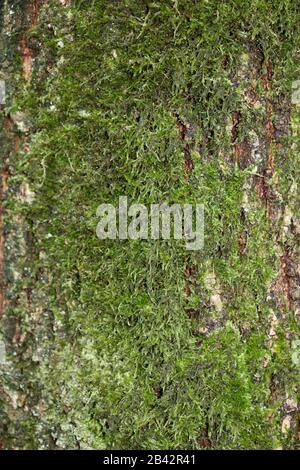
x: 126, y: 344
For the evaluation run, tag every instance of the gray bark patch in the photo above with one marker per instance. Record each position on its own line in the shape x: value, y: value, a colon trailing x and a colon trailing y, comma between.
x: 2, y: 92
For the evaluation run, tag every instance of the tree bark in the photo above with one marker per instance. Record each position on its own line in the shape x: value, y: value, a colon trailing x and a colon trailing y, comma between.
x: 139, y: 345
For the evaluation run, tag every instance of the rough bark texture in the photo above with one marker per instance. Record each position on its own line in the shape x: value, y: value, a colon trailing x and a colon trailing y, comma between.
x: 139, y: 344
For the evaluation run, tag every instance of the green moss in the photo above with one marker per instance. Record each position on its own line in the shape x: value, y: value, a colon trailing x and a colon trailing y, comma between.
x: 124, y: 367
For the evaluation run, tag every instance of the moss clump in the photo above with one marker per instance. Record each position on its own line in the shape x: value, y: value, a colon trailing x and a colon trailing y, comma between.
x: 134, y: 361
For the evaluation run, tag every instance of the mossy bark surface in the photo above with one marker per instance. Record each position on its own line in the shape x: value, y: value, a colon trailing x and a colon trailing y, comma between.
x: 130, y: 344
